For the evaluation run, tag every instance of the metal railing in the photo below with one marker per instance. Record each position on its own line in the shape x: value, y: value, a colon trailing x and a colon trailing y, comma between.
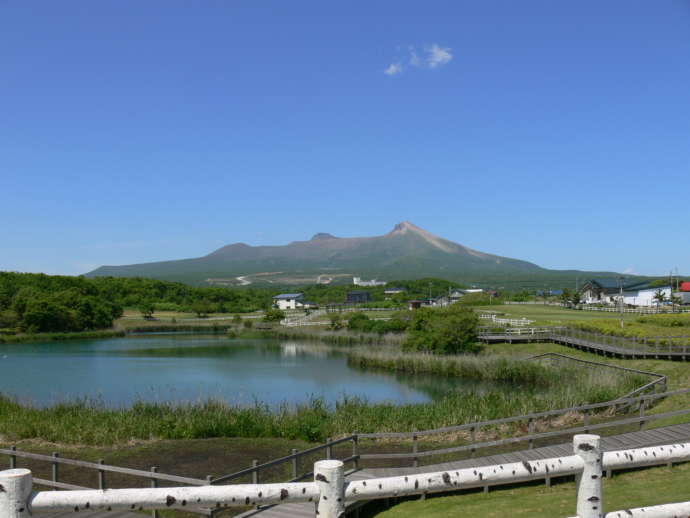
x: 584, y: 414
x: 330, y: 491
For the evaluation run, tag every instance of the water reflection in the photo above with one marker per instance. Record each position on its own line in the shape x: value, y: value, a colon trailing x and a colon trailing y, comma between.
x: 190, y: 368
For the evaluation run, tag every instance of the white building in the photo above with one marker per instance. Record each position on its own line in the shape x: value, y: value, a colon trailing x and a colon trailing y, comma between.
x: 289, y: 301
x: 645, y: 296
x: 357, y: 281
x: 635, y: 293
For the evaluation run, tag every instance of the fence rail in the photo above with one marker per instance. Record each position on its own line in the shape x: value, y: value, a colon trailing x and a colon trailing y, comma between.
x: 330, y: 491
x: 506, y: 321
x: 660, y: 381
x: 640, y: 402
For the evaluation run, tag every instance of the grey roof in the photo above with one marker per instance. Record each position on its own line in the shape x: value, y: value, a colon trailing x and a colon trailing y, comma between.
x: 289, y: 296
x: 611, y: 285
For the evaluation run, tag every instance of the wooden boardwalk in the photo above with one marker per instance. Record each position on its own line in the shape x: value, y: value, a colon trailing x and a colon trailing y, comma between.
x: 619, y: 349
x: 666, y: 435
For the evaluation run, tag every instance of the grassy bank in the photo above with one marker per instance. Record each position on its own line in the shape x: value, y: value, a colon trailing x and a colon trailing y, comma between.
x: 211, y: 327
x: 49, y: 337
x: 501, y: 368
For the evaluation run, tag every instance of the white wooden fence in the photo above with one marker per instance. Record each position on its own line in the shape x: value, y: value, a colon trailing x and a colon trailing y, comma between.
x: 506, y: 321
x: 330, y: 491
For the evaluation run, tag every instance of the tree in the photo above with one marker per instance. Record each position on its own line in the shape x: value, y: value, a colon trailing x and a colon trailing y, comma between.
x: 443, y: 331
x: 273, y: 315
x: 335, y: 321
x: 146, y: 308
x: 575, y: 298
x: 237, y: 320
x: 659, y: 296
x: 676, y: 301
x: 42, y: 316
x: 8, y: 319
x: 202, y: 308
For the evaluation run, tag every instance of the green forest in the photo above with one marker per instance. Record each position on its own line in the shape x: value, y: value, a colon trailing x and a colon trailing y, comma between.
x: 38, y: 303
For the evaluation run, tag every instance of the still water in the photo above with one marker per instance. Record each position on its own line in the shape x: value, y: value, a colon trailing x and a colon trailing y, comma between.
x: 180, y: 368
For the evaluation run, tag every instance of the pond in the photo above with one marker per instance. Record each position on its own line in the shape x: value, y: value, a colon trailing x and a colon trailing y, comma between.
x: 181, y: 368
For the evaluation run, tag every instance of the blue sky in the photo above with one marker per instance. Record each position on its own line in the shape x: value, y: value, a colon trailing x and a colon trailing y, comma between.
x: 556, y: 132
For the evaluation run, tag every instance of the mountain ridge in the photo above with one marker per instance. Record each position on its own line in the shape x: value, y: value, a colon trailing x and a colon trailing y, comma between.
x: 407, y: 251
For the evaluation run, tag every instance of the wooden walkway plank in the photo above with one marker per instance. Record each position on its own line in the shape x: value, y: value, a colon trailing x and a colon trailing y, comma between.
x: 656, y: 436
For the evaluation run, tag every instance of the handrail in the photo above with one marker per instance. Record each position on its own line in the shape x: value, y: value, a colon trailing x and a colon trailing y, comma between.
x: 104, y: 467
x: 660, y: 380
x: 281, y: 460
x: 512, y: 419
x: 331, y: 491
x: 531, y: 437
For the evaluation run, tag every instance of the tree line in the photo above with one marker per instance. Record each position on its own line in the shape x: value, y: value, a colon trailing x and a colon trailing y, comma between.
x: 36, y: 302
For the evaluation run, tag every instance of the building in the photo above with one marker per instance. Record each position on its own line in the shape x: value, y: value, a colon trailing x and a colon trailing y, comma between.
x: 357, y: 281
x: 684, y: 296
x: 398, y: 291
x: 635, y: 293
x: 684, y: 293
x: 358, y: 297
x: 291, y: 301
x: 456, y: 294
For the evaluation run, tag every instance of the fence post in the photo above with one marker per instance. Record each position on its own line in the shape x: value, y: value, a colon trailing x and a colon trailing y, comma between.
x: 329, y: 476
x: 329, y: 448
x: 294, y: 464
x: 13, y: 458
x: 586, y: 420
x: 154, y: 483
x: 101, y: 476
x: 590, y: 502
x: 530, y: 431
x: 255, y: 472
x: 55, y: 469
x: 16, y: 484
x: 642, y: 406
x: 355, y: 449
x: 415, y: 449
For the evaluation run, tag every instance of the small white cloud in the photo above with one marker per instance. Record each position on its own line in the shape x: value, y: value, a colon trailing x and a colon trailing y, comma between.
x: 393, y: 69
x: 438, y: 56
x: 630, y: 271
x: 415, y: 60
x: 433, y: 56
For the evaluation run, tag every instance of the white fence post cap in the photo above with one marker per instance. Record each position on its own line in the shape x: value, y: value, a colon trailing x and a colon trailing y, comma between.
x: 15, y: 473
x: 328, y: 464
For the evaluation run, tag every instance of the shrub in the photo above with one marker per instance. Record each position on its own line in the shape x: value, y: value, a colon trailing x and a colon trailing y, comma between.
x: 273, y: 315
x: 443, y: 331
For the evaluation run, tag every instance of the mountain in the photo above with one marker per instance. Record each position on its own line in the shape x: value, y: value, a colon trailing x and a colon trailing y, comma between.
x: 406, y: 252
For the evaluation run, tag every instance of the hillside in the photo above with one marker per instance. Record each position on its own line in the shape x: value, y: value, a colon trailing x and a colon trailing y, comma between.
x: 406, y: 252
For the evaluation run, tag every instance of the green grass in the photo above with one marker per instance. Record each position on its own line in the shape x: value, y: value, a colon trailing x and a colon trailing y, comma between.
x: 678, y: 373
x: 661, y: 329
x: 624, y: 491
x: 500, y: 368
x: 90, y: 422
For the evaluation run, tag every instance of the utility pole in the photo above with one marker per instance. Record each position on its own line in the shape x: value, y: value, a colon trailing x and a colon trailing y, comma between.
x: 620, y: 300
